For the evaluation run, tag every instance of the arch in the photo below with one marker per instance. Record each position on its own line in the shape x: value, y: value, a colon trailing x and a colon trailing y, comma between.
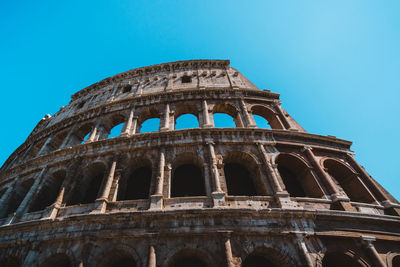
x: 297, y: 176
x: 190, y: 257
x: 80, y: 135
x: 149, y: 120
x: 17, y: 197
x: 227, y: 109
x: 118, y: 258
x: 55, y: 142
x: 187, y: 176
x: 10, y: 261
x: 243, y: 174
x: 348, y: 181
x: 49, y: 192
x: 261, y: 122
x: 396, y: 261
x: 88, y: 187
x: 268, y: 114
x: 135, y: 183
x: 186, y: 121
x: 114, y: 125
x: 266, y: 257
x: 59, y: 260
x: 333, y: 259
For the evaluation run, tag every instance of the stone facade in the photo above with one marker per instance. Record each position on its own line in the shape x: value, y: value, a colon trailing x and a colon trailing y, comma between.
x: 206, y: 196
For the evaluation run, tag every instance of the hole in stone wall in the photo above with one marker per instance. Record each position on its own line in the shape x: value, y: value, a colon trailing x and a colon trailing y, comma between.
x: 186, y: 79
x: 85, y: 138
x: 189, y: 261
x: 223, y: 120
x: 257, y: 261
x: 49, y: 192
x: 116, y: 130
x: 239, y: 181
x: 117, y: 258
x: 291, y: 182
x: 261, y: 122
x: 150, y: 125
x: 334, y: 259
x: 187, y: 181
x: 186, y: 121
x: 138, y: 184
x: 10, y: 261
x: 127, y: 88
x: 59, y: 260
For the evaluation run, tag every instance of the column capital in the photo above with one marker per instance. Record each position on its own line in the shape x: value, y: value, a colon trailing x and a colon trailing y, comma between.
x: 307, y: 148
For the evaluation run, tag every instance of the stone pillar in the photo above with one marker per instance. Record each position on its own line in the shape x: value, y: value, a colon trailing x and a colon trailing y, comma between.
x: 165, y: 121
x: 25, y: 204
x: 343, y: 202
x: 103, y: 199
x: 283, y: 116
x: 270, y: 170
x: 248, y: 120
x: 67, y: 139
x: 228, y: 252
x: 303, y: 247
x: 218, y: 195
x: 93, y: 135
x: 371, y: 250
x: 6, y: 197
x: 156, y: 199
x: 45, y: 146
x: 206, y: 118
x: 206, y: 171
x: 130, y: 125
x: 152, y: 257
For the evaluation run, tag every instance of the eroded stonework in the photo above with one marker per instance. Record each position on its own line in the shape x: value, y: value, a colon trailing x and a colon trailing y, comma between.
x: 71, y: 195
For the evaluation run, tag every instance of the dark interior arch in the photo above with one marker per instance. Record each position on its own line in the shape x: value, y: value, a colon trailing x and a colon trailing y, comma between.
x: 16, y: 198
x: 238, y: 180
x: 257, y: 261
x: 137, y: 185
x: 348, y: 181
x: 10, y: 261
x: 49, y: 192
x: 118, y: 258
x: 297, y: 177
x: 59, y: 260
x: 187, y: 180
x: 335, y: 259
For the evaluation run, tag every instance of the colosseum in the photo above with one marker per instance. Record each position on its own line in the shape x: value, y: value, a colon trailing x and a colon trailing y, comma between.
x: 73, y: 194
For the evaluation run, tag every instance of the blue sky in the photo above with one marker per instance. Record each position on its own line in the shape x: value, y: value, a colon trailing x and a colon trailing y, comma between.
x: 335, y: 63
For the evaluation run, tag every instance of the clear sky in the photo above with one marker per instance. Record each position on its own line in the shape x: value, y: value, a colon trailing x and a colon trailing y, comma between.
x: 335, y: 63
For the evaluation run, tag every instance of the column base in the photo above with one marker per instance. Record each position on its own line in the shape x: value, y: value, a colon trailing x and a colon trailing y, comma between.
x: 156, y: 202
x: 218, y: 198
x: 284, y: 201
x: 342, y: 203
x: 206, y: 126
x: 100, y: 206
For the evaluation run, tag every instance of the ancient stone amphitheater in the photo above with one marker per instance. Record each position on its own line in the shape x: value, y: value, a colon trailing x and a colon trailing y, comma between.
x: 72, y: 195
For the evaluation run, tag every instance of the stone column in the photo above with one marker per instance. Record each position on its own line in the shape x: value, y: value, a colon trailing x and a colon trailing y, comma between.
x: 283, y: 116
x: 228, y: 251
x: 165, y: 122
x: 274, y: 180
x: 206, y: 171
x: 45, y: 146
x: 152, y: 257
x: 25, y: 204
x: 156, y: 199
x: 130, y: 125
x: 6, y: 197
x: 103, y: 199
x: 67, y: 138
x: 371, y: 250
x: 303, y: 247
x: 248, y: 120
x: 218, y: 195
x: 206, y: 118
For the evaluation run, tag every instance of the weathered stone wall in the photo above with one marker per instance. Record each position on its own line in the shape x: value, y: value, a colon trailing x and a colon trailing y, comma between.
x: 218, y: 196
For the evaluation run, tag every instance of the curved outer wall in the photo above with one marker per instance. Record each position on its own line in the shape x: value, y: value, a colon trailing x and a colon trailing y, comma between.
x: 73, y: 196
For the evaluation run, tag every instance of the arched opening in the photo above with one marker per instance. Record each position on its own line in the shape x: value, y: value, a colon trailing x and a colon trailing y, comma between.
x: 261, y: 122
x: 238, y: 180
x: 222, y: 120
x: 150, y: 125
x: 187, y: 180
x: 118, y: 258
x: 347, y: 181
x: 17, y: 197
x: 59, y: 260
x: 242, y: 175
x: 257, y: 261
x: 81, y: 135
x: 87, y: 190
x: 192, y: 258
x: 49, y: 192
x: 335, y: 259
x: 189, y: 261
x: 225, y: 115
x: 137, y: 184
x: 396, y: 261
x: 55, y: 143
x: 267, y: 114
x: 186, y: 121
x: 10, y: 261
x: 114, y: 126
x: 116, y: 130
x: 297, y: 177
